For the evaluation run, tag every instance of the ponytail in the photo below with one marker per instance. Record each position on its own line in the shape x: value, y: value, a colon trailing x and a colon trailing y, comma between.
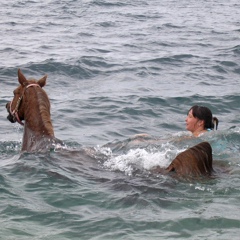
x: 215, y: 123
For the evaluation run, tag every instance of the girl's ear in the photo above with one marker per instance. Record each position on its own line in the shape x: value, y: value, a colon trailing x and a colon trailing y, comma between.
x: 200, y: 123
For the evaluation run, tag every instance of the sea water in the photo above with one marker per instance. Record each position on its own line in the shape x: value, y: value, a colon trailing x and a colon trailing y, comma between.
x: 116, y: 69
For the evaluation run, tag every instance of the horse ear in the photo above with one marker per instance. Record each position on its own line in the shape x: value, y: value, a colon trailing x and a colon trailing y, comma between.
x: 42, y: 81
x: 21, y: 78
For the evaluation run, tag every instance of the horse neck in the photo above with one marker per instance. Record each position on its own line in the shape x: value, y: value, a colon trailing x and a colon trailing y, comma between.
x: 37, y: 113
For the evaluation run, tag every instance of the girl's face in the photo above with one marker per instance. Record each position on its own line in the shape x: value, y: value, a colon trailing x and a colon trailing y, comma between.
x: 192, y: 123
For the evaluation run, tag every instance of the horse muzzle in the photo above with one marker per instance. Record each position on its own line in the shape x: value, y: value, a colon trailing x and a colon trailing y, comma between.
x: 10, y: 117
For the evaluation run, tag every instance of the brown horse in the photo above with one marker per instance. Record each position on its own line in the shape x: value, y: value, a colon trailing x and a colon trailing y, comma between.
x: 31, y: 104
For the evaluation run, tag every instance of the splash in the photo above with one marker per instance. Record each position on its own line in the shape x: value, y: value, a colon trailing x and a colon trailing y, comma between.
x: 141, y: 159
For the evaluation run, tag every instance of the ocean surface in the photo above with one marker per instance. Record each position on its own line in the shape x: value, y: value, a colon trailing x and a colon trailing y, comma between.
x: 116, y: 69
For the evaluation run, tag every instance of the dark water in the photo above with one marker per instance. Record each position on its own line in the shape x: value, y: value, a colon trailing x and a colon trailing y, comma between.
x: 115, y: 69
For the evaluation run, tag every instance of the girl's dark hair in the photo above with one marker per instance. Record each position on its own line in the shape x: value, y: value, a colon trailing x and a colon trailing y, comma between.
x: 205, y: 114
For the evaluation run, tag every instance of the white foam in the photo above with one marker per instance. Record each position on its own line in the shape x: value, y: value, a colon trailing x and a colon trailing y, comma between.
x: 141, y: 159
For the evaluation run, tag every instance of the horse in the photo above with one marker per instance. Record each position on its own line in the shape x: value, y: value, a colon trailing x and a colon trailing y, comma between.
x: 31, y: 105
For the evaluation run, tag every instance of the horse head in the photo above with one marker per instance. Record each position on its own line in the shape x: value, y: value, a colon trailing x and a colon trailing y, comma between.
x: 16, y: 107
x: 31, y: 104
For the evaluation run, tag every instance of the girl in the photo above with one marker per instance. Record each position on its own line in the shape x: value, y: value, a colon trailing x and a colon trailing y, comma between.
x: 200, y: 120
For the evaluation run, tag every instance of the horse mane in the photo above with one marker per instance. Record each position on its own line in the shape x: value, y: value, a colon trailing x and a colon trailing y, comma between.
x: 44, y: 107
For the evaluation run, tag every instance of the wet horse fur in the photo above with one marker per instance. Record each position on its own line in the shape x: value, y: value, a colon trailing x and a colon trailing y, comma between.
x: 34, y: 110
x: 193, y: 162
